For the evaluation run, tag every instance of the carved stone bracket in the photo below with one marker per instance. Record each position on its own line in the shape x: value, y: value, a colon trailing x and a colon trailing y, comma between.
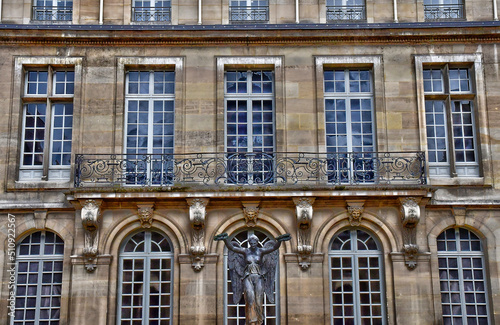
x: 40, y: 219
x: 197, y: 216
x: 145, y: 214
x: 251, y: 212
x: 304, y: 212
x: 355, y: 209
x: 91, y: 219
x: 410, y: 217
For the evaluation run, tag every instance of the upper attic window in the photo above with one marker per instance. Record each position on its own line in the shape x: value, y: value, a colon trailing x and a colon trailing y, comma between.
x: 249, y: 11
x: 345, y: 10
x: 151, y: 11
x: 52, y: 10
x: 444, y: 9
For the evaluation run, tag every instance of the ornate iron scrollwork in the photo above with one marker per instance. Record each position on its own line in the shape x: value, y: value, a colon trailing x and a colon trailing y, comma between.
x: 251, y: 169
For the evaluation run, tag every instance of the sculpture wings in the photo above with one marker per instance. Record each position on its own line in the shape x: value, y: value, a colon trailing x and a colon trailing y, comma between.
x: 268, y: 269
x: 236, y: 264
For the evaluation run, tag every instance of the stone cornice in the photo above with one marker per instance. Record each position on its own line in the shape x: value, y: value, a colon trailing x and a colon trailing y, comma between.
x: 272, y: 35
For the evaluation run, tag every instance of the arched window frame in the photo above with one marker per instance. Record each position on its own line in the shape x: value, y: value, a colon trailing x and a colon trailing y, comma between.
x: 378, y: 253
x: 446, y: 254
x: 240, y: 308
x: 147, y: 255
x: 44, y: 271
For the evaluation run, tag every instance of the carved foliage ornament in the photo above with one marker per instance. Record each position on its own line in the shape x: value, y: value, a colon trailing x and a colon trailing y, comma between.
x: 91, y: 218
x: 304, y: 212
x: 197, y: 216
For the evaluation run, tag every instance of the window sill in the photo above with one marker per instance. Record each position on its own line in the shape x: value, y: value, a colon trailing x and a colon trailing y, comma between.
x: 165, y: 22
x: 51, y: 22
x: 37, y: 184
x: 454, y: 181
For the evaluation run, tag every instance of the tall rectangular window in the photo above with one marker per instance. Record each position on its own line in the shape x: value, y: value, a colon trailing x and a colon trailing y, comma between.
x: 47, y: 124
x: 149, y: 139
x: 345, y: 10
x: 151, y: 10
x: 244, y: 11
x: 52, y: 10
x: 444, y: 9
x: 462, y: 278
x: 350, y: 135
x: 450, y: 120
x: 250, y: 135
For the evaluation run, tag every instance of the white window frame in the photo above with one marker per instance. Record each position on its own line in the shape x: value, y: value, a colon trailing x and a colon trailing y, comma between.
x: 150, y: 98
x: 474, y: 62
x: 125, y: 64
x: 54, y: 12
x: 47, y: 171
x: 250, y: 8
x: 348, y: 96
x: 228, y: 302
x: 39, y: 259
x: 265, y: 163
x: 152, y: 11
x: 339, y: 10
x: 354, y: 254
x: 455, y: 288
x: 146, y: 256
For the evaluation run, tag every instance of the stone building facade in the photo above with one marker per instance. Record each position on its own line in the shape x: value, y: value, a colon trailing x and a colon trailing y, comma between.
x: 135, y: 131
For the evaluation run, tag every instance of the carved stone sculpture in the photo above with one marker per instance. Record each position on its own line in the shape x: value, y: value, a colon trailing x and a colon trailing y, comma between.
x: 355, y: 209
x: 410, y: 216
x: 145, y: 213
x: 252, y: 271
x: 197, y: 216
x: 304, y: 212
x: 91, y: 218
x: 251, y: 213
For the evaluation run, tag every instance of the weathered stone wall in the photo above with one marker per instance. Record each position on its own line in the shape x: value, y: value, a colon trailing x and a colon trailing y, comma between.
x: 216, y: 11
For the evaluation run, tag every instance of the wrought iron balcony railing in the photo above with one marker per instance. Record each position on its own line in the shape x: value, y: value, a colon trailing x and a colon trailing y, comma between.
x: 345, y: 13
x: 444, y: 12
x: 144, y: 14
x: 242, y: 169
x: 251, y: 14
x: 43, y: 13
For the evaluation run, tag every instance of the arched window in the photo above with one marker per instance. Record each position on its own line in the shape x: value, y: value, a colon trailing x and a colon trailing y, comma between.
x: 39, y: 267
x: 356, y: 279
x: 235, y: 313
x: 145, y: 280
x: 464, y: 295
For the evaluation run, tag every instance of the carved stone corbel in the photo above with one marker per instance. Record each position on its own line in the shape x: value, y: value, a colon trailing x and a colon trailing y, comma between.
x: 355, y: 209
x: 145, y: 214
x: 197, y: 216
x: 91, y: 219
x: 40, y: 219
x: 410, y: 217
x: 304, y: 212
x: 251, y: 213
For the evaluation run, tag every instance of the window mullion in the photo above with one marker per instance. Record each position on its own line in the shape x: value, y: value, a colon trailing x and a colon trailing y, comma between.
x: 47, y: 137
x: 450, y: 136
x: 461, y: 282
